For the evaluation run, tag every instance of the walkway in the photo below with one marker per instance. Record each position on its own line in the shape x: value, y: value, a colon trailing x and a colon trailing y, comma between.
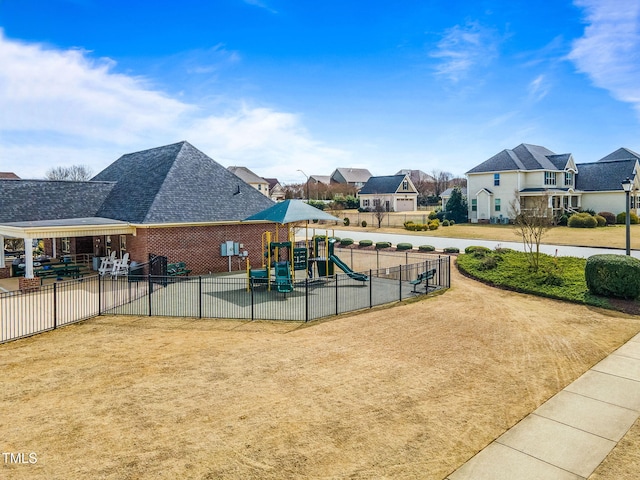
x: 567, y: 437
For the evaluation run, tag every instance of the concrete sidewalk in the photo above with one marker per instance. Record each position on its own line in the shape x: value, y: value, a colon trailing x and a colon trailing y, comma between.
x: 567, y: 437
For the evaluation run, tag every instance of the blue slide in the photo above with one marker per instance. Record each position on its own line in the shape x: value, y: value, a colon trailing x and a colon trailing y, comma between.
x: 283, y: 277
x: 361, y: 277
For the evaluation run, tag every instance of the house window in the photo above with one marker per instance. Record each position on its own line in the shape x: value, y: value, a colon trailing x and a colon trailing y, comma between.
x: 474, y: 204
x: 65, y: 244
x: 568, y: 179
x: 496, y: 179
x: 405, y: 185
x: 376, y: 202
x: 497, y: 204
x: 549, y: 178
x: 365, y: 203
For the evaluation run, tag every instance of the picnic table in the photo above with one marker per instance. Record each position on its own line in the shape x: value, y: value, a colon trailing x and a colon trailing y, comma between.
x: 61, y: 270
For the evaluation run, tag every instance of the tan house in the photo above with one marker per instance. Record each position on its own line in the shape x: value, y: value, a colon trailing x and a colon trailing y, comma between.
x: 395, y: 193
x: 355, y: 177
x: 276, y: 192
x: 533, y: 171
x: 259, y: 183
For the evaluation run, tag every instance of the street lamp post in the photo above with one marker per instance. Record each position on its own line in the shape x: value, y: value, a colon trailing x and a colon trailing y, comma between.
x: 626, y: 185
x: 307, y: 177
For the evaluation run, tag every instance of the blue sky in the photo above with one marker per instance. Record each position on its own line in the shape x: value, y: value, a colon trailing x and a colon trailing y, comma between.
x: 281, y: 85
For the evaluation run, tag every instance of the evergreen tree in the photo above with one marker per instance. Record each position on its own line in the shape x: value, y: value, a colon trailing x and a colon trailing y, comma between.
x: 457, y: 208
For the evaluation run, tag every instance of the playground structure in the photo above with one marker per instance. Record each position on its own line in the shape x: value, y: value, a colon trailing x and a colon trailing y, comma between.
x: 285, y: 258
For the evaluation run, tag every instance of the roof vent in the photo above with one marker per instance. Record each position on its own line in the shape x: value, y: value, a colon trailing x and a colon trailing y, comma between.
x: 237, y: 190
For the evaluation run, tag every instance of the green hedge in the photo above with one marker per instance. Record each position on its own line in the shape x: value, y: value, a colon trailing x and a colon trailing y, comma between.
x: 621, y: 218
x: 404, y: 246
x: 383, y: 245
x: 451, y: 250
x: 365, y: 243
x: 426, y: 248
x: 476, y: 248
x: 346, y: 241
x: 613, y: 275
x: 582, y: 220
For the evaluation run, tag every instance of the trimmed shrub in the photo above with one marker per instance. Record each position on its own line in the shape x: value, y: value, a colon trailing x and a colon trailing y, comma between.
x: 346, y: 221
x: 610, y: 217
x: 433, y: 215
x: 602, y: 222
x: 613, y: 275
x: 476, y: 248
x: 434, y: 224
x: 445, y: 223
x: 451, y: 250
x: 488, y: 263
x: 501, y: 250
x: 383, y: 245
x: 563, y: 220
x: 452, y: 222
x: 346, y: 241
x: 363, y: 223
x: 365, y: 243
x: 404, y: 246
x: 621, y: 218
x: 582, y: 220
x: 426, y: 248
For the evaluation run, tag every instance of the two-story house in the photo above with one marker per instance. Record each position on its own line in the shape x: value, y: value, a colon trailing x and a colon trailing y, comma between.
x: 355, y: 177
x: 395, y: 193
x: 252, y: 179
x: 532, y: 171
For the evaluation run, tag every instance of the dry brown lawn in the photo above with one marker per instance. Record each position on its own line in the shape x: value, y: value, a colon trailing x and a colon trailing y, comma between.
x: 411, y: 391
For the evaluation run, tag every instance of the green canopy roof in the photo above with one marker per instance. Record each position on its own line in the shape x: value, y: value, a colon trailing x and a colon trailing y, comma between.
x: 291, y: 211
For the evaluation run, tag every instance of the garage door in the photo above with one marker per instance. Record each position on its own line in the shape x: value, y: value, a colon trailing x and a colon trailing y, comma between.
x: 404, y: 205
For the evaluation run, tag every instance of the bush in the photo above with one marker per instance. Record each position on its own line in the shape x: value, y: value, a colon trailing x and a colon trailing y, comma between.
x: 563, y: 220
x: 346, y: 241
x: 602, y: 222
x: 476, y: 248
x: 346, y: 221
x: 609, y: 217
x: 488, y: 263
x: 621, y: 218
x: 426, y: 248
x: 582, y: 220
x: 451, y: 250
x: 404, y: 246
x: 383, y: 245
x: 433, y: 215
x: 613, y: 275
x: 445, y: 223
x: 434, y: 224
x: 363, y: 223
x: 365, y: 243
x: 452, y: 222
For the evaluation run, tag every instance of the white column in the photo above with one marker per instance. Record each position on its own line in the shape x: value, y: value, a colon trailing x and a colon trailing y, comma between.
x: 28, y: 258
x: 53, y: 252
x: 2, y: 264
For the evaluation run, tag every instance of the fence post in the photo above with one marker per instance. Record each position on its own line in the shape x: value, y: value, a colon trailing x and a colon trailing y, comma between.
x: 252, y: 302
x: 55, y: 306
x: 306, y: 300
x: 370, y: 288
x: 400, y: 282
x: 99, y: 295
x: 336, y: 278
x: 377, y: 258
x: 200, y: 296
x: 149, y: 292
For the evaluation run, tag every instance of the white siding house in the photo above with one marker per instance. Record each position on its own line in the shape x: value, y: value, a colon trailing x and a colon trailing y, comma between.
x: 396, y: 193
x: 531, y: 171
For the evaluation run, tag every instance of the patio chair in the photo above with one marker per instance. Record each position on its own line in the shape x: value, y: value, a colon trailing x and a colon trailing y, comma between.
x: 106, y: 266
x: 121, y: 267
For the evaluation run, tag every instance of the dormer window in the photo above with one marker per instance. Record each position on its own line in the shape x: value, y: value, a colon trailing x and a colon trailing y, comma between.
x: 568, y: 179
x: 405, y: 184
x: 549, y: 178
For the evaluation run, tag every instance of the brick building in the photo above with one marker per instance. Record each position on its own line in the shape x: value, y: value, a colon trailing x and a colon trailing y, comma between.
x: 173, y: 201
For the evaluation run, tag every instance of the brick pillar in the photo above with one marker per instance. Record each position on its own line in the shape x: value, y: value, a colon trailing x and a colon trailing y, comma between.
x: 5, y: 272
x: 28, y: 284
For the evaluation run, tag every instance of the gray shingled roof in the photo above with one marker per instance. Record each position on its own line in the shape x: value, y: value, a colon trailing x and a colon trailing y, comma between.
x: 352, y: 175
x: 604, y: 175
x: 621, y: 154
x: 523, y: 157
x: 247, y: 175
x: 380, y: 185
x: 34, y: 200
x: 176, y: 184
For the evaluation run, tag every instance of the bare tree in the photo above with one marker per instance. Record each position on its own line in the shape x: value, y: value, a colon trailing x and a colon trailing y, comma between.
x: 78, y: 173
x: 441, y: 181
x: 532, y: 220
x: 380, y: 211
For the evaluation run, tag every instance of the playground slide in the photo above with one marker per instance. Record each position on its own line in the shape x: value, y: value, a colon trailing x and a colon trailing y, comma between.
x: 361, y: 277
x: 283, y: 277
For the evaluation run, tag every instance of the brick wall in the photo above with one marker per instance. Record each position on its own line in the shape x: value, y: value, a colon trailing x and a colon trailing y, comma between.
x: 5, y: 272
x: 199, y: 246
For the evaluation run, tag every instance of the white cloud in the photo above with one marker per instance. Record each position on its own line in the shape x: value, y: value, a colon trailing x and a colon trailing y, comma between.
x: 538, y: 88
x: 609, y: 50
x: 61, y: 107
x: 463, y: 48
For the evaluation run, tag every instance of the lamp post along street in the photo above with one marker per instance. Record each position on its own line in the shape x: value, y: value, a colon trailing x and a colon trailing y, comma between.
x: 307, y: 177
x: 626, y: 185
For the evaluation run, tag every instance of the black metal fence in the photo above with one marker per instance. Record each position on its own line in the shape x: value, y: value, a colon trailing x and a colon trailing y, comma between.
x: 230, y: 296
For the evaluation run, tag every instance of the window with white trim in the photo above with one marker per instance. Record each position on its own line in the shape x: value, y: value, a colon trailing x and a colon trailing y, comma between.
x: 65, y: 244
x: 497, y: 205
x: 474, y: 204
x: 496, y: 179
x: 549, y: 178
x: 568, y: 179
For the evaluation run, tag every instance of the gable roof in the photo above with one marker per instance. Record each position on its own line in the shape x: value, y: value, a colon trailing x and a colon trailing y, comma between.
x: 621, y: 154
x: 8, y: 175
x: 416, y: 175
x: 604, y: 175
x: 33, y: 200
x: 247, y: 175
x: 448, y: 191
x: 352, y: 175
x: 383, y: 185
x: 523, y: 157
x: 326, y: 179
x: 176, y: 184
